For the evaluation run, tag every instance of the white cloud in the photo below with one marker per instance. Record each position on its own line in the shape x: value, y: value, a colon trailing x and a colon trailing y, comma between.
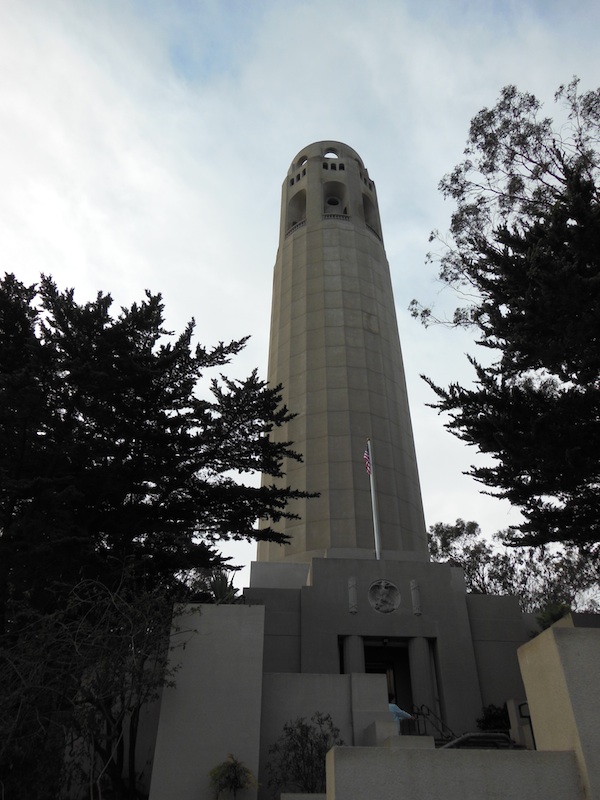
x: 143, y: 145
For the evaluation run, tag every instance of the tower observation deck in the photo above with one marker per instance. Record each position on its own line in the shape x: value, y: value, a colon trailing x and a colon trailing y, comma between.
x: 334, y: 346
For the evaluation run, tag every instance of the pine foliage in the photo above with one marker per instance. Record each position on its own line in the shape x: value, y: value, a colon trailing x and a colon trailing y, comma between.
x: 525, y: 248
x: 122, y: 466
x: 110, y: 455
x: 297, y: 758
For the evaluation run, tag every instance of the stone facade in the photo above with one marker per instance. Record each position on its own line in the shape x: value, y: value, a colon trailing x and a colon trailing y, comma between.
x: 335, y: 349
x: 446, y: 649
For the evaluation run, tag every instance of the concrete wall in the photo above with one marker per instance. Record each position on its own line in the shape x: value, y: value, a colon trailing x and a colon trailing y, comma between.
x: 437, y: 632
x: 355, y: 703
x: 560, y: 670
x: 215, y: 707
x: 282, y: 644
x: 462, y: 648
x: 498, y: 630
x: 389, y: 774
x: 442, y: 620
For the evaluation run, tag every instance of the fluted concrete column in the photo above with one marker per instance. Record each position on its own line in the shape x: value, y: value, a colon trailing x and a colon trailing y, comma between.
x: 421, y: 673
x: 354, y: 654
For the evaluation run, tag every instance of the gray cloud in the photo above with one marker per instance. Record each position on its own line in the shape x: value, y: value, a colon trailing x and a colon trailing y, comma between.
x: 143, y: 145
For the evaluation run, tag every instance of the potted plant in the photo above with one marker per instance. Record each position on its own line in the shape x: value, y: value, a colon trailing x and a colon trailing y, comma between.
x: 230, y: 776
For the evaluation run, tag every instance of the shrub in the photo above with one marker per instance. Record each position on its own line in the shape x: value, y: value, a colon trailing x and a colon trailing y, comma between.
x: 230, y: 776
x: 494, y: 718
x: 297, y: 760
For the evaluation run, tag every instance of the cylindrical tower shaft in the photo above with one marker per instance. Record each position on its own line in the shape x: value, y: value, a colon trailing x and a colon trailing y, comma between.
x: 335, y: 349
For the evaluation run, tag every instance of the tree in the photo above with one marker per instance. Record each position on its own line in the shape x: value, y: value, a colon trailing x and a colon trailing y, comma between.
x: 494, y: 718
x: 542, y: 578
x: 214, y: 586
x: 75, y: 682
x: 118, y: 464
x: 110, y: 456
x: 230, y: 776
x: 297, y: 758
x: 524, y: 251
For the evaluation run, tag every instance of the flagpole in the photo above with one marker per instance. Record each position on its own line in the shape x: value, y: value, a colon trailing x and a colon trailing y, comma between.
x: 371, y: 470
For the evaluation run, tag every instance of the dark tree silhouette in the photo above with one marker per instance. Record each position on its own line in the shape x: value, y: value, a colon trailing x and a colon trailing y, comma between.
x: 525, y: 249
x: 542, y: 578
x: 121, y: 469
x: 110, y: 456
x: 297, y: 758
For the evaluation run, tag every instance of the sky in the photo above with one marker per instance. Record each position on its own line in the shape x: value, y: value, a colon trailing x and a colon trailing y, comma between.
x: 143, y: 145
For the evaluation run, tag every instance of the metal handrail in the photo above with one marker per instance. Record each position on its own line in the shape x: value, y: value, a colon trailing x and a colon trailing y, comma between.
x: 491, y: 736
x: 426, y: 714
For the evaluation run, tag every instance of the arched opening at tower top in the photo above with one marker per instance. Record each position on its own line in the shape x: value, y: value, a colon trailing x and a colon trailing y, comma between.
x: 335, y: 200
x: 330, y: 154
x: 296, y: 210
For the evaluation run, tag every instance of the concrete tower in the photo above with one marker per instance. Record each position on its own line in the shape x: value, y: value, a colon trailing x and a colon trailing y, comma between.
x: 335, y: 349
x: 326, y: 626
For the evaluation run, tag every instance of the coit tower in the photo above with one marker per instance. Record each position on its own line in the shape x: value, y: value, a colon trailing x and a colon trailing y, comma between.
x: 335, y: 349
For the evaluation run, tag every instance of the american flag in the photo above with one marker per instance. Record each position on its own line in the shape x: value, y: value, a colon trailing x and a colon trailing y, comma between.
x: 367, y: 458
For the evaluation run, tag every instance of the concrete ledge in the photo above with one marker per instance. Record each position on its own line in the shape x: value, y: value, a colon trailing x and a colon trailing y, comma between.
x: 411, y: 742
x: 378, y: 732
x: 364, y: 773
x: 275, y: 575
x: 560, y: 672
x: 292, y: 796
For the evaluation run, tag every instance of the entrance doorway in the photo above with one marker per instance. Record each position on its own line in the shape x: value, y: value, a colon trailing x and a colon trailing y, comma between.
x: 389, y: 656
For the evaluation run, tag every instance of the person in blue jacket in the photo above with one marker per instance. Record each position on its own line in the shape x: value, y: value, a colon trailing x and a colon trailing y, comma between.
x: 399, y: 713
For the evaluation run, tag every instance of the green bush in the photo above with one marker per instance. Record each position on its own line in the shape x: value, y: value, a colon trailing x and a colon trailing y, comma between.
x: 230, y: 776
x: 494, y: 718
x: 297, y: 759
